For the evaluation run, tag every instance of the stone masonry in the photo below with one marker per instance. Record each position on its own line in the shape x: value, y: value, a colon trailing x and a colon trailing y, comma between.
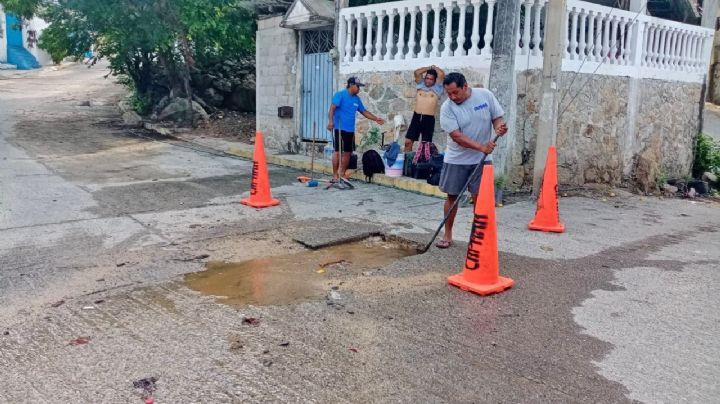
x: 390, y: 93
x: 276, y: 81
x: 603, y: 132
x: 612, y: 129
x: 608, y: 124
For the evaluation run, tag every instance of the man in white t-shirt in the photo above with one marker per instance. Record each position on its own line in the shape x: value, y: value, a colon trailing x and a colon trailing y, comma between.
x: 469, y: 116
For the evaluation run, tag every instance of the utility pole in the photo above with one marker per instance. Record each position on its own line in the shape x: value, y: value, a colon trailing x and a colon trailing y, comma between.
x: 339, y: 5
x: 709, y: 20
x: 639, y: 6
x: 709, y: 13
x: 503, y: 78
x: 553, y: 52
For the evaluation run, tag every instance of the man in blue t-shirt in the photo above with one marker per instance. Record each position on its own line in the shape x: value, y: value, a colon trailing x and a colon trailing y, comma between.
x: 341, y: 121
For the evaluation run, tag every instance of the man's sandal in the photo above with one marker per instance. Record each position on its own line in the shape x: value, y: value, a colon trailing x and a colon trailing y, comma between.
x: 347, y: 183
x: 443, y: 244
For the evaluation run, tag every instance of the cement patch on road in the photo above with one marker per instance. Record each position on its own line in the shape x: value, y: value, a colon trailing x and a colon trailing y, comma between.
x: 663, y: 324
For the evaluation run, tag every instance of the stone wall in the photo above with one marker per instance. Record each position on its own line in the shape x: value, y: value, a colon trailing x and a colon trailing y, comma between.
x: 608, y: 124
x: 669, y: 115
x: 603, y: 133
x: 276, y: 68
x: 591, y: 128
x: 390, y: 93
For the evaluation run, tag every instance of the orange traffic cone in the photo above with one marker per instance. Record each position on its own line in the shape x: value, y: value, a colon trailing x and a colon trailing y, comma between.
x: 481, y: 264
x: 260, y: 196
x: 547, y: 215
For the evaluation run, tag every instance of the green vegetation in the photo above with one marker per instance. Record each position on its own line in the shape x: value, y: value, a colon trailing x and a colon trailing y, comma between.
x: 153, y: 46
x: 707, y: 156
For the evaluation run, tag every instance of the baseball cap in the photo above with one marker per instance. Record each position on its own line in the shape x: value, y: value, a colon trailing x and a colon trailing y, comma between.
x: 355, y: 81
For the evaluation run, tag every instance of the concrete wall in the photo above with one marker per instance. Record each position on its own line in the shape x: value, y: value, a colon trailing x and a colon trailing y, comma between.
x: 276, y: 62
x: 36, y: 24
x: 612, y: 124
x: 3, y: 37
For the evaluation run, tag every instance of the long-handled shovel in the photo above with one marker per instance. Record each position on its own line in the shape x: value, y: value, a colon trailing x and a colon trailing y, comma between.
x: 476, y: 171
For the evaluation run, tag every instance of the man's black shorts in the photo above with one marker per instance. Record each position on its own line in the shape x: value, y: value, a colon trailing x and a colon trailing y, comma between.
x: 348, y: 141
x: 421, y: 125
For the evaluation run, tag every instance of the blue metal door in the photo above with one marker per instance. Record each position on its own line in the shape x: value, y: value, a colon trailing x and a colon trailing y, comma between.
x: 317, y: 84
x: 14, y: 30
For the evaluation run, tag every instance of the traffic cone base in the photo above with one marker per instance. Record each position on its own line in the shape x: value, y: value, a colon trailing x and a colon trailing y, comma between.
x: 559, y: 228
x: 265, y: 204
x: 481, y: 289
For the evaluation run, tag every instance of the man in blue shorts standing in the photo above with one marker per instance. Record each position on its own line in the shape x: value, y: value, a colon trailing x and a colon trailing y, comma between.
x: 469, y: 116
x: 341, y: 121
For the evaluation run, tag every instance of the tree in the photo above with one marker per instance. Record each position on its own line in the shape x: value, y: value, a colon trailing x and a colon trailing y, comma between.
x: 152, y: 45
x: 22, y: 8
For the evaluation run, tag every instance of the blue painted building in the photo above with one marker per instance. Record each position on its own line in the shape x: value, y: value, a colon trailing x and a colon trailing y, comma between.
x: 19, y: 42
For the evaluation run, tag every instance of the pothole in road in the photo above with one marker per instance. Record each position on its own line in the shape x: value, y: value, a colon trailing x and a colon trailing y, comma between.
x: 293, y: 278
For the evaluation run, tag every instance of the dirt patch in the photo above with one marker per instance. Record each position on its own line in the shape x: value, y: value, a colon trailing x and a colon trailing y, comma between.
x: 68, y: 136
x: 230, y: 125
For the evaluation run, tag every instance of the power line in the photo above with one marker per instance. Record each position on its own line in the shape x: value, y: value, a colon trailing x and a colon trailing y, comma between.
x: 592, y: 50
x: 596, y: 69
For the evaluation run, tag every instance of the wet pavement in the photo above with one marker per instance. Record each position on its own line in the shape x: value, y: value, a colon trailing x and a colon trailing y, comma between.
x: 294, y: 278
x: 128, y: 268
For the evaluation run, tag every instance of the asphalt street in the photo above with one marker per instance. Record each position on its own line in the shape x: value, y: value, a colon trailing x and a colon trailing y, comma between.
x: 101, y: 233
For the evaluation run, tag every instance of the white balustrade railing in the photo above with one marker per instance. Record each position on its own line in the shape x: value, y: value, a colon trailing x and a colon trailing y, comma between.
x: 404, y: 35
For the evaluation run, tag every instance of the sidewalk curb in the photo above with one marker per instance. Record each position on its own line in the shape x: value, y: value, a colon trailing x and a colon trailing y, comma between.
x: 299, y: 162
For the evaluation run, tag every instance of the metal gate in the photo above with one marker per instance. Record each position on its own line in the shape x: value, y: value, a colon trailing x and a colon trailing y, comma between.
x: 317, y: 84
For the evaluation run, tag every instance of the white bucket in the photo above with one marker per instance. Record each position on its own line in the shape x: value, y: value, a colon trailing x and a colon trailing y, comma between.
x: 397, y: 168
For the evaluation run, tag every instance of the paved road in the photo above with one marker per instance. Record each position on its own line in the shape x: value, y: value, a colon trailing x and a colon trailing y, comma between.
x: 711, y: 121
x: 99, y: 228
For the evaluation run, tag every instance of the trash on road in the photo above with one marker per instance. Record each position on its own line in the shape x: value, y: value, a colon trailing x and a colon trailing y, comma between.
x: 80, y: 341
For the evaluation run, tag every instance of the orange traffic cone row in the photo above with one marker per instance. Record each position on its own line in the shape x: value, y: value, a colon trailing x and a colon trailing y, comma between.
x: 260, y: 196
x: 481, y: 263
x: 547, y: 215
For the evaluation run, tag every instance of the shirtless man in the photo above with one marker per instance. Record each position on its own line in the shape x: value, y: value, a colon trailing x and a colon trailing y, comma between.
x: 429, y: 91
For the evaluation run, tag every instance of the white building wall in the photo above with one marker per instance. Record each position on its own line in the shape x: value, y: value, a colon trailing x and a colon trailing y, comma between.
x: 36, y: 24
x: 39, y: 26
x: 276, y: 65
x: 3, y: 37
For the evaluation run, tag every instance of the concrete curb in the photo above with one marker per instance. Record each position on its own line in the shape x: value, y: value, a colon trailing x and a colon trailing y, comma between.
x: 300, y: 162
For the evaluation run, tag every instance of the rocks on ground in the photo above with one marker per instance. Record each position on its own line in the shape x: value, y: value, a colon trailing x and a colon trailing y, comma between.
x: 177, y: 110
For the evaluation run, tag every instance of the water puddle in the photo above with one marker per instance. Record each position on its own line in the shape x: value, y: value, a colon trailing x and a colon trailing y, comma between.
x: 292, y: 278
